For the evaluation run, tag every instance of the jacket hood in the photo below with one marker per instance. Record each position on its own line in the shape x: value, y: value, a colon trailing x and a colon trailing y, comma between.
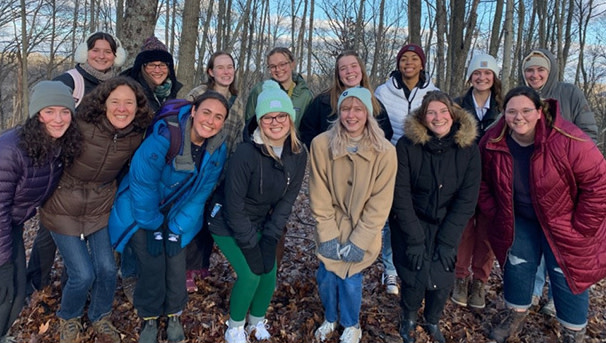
x: 465, y: 136
x: 552, y: 79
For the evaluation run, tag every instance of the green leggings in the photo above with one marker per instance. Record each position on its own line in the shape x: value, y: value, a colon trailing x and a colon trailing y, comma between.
x: 250, y: 291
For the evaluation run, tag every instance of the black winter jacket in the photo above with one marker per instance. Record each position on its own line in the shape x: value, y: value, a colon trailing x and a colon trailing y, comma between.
x: 257, y: 193
x: 436, y: 191
x: 466, y: 101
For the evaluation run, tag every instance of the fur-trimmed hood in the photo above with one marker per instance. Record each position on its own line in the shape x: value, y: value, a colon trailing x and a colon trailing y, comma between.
x: 465, y: 135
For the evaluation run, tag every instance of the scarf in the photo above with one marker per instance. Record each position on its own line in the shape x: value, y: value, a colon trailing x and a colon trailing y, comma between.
x: 99, y: 75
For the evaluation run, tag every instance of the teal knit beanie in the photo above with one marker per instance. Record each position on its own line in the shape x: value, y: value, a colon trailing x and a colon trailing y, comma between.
x: 274, y: 99
x: 359, y: 92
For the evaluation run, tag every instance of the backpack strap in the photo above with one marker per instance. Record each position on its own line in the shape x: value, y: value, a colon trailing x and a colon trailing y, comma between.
x: 174, y: 131
x: 78, y: 92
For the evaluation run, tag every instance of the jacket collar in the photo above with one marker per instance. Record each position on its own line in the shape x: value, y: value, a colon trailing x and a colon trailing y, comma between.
x: 465, y: 136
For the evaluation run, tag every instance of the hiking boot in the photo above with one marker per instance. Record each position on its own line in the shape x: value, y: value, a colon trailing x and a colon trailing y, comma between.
x: 391, y: 284
x: 459, y: 293
x: 570, y: 336
x: 477, y: 296
x: 351, y: 334
x: 548, y: 309
x: 70, y: 330
x: 324, y: 330
x: 434, y: 331
x: 149, y: 333
x: 190, y: 282
x: 128, y: 287
x: 406, y: 327
x: 509, y: 327
x: 235, y: 335
x: 260, y: 330
x: 174, y: 330
x: 104, y: 328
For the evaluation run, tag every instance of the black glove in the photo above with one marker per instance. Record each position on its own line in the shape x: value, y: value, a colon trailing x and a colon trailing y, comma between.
x: 351, y: 253
x: 7, y: 274
x: 254, y: 258
x: 447, y: 256
x: 330, y: 249
x: 268, y: 251
x: 173, y: 244
x: 155, y: 241
x: 414, y: 255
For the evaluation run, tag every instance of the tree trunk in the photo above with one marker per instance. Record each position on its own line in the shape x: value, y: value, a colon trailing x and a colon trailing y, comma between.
x: 507, y: 45
x: 379, y: 43
x: 187, y: 45
x: 442, y: 28
x: 139, y: 23
x: 310, y: 39
x: 493, y: 50
x: 414, y: 21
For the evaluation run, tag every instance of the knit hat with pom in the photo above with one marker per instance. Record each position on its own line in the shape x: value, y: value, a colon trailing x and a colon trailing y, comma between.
x: 273, y: 99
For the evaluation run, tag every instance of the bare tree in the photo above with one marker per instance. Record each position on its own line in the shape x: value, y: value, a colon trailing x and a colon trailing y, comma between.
x: 414, y: 21
x: 496, y: 29
x: 139, y: 23
x: 508, y: 42
x: 187, y: 46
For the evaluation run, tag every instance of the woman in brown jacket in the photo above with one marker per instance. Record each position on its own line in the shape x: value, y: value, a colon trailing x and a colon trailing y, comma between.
x: 112, y: 119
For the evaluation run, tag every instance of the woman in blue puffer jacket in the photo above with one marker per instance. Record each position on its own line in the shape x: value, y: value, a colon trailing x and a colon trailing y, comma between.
x: 160, y: 203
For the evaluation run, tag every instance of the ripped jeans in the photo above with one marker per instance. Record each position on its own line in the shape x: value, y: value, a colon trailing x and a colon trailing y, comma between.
x: 520, y: 269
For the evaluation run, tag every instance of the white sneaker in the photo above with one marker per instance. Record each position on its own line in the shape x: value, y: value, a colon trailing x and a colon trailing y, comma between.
x: 324, y: 330
x: 351, y: 334
x: 236, y: 335
x: 391, y: 284
x: 260, y: 330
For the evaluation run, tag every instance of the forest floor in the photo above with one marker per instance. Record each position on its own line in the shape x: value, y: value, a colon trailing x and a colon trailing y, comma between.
x: 296, y: 311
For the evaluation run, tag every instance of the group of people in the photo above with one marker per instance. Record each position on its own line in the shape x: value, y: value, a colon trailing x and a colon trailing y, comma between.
x: 436, y: 186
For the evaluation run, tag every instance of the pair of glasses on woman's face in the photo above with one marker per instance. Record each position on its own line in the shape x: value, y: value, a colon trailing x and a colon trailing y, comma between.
x: 280, y: 118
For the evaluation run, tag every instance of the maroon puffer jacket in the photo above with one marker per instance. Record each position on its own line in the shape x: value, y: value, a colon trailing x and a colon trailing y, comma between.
x: 568, y: 188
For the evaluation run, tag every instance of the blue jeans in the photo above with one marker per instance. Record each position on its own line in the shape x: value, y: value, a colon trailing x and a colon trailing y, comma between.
x: 90, y: 267
x: 540, y: 280
x: 386, y: 252
x: 340, y: 295
x: 520, y: 270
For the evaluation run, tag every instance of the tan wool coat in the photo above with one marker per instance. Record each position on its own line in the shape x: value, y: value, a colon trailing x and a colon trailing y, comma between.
x: 350, y: 197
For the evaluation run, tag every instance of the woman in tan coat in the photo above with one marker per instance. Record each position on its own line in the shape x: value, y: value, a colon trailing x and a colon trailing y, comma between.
x: 353, y: 170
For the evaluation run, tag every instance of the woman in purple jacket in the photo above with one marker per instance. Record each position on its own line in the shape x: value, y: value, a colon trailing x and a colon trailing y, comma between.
x: 32, y: 157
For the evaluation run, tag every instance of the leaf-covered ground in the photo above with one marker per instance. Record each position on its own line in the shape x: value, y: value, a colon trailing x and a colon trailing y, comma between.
x: 296, y: 311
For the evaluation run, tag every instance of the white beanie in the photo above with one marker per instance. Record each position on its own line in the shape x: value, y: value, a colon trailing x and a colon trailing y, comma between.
x: 482, y: 61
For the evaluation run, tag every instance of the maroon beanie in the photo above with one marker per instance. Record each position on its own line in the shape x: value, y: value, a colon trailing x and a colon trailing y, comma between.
x: 414, y: 48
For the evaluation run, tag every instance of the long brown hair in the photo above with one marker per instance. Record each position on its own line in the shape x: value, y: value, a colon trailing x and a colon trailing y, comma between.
x: 210, y: 84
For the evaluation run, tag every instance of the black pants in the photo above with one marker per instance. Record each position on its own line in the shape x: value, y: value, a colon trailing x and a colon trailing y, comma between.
x: 198, y: 251
x: 41, y: 261
x: 160, y: 288
x: 12, y: 285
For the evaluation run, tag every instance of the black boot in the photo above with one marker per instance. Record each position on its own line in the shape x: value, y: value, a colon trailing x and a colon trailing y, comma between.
x: 406, y: 327
x: 570, y: 336
x: 434, y: 331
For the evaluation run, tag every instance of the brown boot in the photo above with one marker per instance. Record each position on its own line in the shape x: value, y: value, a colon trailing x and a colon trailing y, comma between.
x: 104, y: 328
x: 477, y: 297
x: 459, y: 293
x: 570, y: 336
x: 509, y: 327
x: 70, y: 330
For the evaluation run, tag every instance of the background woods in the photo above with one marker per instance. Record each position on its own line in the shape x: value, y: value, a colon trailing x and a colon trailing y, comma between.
x: 47, y: 32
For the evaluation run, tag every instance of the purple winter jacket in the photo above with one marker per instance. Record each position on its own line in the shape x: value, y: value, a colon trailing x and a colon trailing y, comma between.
x: 23, y: 187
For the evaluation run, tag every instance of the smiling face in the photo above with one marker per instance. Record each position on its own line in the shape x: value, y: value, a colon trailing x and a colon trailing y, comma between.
x: 350, y: 72
x: 410, y: 65
x: 276, y: 127
x: 521, y: 116
x: 100, y: 56
x: 223, y: 71
x: 157, y: 71
x: 121, y: 106
x: 438, y: 118
x: 536, y: 76
x: 208, y: 119
x: 56, y: 120
x: 280, y: 68
x: 482, y: 79
x: 353, y: 116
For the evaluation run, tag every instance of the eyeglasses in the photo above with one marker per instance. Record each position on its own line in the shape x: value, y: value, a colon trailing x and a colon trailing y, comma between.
x: 153, y: 66
x: 525, y: 112
x: 280, y: 118
x: 281, y: 65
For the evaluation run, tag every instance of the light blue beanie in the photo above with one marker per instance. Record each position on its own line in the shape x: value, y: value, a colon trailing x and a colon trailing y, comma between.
x: 274, y: 99
x: 359, y: 92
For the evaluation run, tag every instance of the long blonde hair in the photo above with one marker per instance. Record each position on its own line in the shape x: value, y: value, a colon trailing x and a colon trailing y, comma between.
x: 295, y: 144
x: 373, y: 137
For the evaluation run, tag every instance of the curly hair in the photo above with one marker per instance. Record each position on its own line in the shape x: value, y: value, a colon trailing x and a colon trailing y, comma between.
x: 92, y: 108
x: 39, y: 145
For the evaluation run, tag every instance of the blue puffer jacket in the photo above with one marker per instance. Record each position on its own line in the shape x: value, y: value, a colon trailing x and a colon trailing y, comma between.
x: 23, y: 187
x: 152, y: 183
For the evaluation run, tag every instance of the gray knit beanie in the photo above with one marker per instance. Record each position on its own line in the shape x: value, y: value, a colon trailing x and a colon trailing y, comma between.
x: 50, y: 93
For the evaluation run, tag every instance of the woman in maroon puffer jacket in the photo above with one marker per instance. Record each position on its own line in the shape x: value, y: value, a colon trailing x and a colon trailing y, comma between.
x: 542, y: 192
